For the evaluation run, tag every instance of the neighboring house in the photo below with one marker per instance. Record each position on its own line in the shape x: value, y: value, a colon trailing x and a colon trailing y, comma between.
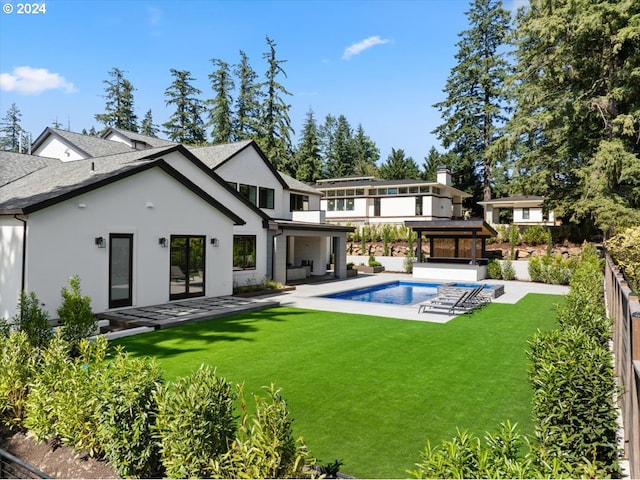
x: 526, y: 210
x: 143, y: 221
x: 363, y: 200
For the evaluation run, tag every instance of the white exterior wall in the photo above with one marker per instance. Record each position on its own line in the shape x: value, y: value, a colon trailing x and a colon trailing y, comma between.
x: 253, y: 225
x: 397, y: 206
x: 442, y: 208
x: 11, y: 236
x: 247, y: 167
x: 535, y: 215
x: 311, y: 248
x: 53, y: 148
x: 60, y: 240
x: 118, y: 137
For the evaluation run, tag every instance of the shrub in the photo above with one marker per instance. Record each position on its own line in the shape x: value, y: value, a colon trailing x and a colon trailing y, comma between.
x: 535, y: 235
x: 624, y: 249
x: 514, y: 240
x: 508, y: 272
x: 535, y: 269
x: 407, y: 264
x: 574, y: 386
x: 75, y: 314
x: 494, y: 269
x: 195, y: 423
x: 373, y: 262
x: 33, y: 320
x: 17, y: 368
x: 126, y: 413
x: 265, y: 447
x: 65, y: 392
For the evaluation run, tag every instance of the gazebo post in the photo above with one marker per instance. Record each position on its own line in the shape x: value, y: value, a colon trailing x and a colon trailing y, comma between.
x: 474, y: 238
x: 419, y: 246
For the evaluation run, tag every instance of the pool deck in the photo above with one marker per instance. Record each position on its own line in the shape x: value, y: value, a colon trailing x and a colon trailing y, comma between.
x: 310, y: 296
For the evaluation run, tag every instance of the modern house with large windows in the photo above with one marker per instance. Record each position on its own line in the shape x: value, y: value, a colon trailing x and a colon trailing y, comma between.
x: 359, y: 200
x: 520, y: 210
x: 143, y: 221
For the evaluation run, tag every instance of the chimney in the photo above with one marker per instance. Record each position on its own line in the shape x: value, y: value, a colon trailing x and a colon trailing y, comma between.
x: 444, y: 175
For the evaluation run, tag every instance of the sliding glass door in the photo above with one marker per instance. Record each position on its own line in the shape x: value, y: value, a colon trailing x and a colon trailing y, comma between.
x: 187, y: 266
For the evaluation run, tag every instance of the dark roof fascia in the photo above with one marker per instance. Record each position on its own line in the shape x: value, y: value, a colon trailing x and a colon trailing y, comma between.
x: 288, y: 224
x: 49, y: 131
x: 202, y: 166
x: 264, y: 159
x: 443, y: 227
x: 160, y: 163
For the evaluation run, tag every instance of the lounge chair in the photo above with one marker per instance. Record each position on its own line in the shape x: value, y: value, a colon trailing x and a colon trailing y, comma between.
x: 445, y: 304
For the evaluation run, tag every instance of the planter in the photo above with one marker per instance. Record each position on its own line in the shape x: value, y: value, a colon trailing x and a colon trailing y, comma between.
x: 367, y: 269
x: 352, y: 273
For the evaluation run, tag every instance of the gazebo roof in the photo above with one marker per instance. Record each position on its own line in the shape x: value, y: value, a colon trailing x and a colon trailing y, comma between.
x: 452, y: 228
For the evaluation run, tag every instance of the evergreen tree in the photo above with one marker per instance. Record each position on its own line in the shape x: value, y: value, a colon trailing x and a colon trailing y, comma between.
x: 431, y: 163
x: 275, y: 137
x: 307, y: 159
x: 338, y: 147
x: 119, y: 103
x: 10, y: 129
x: 331, y: 168
x: 474, y: 110
x: 366, y: 154
x: 185, y: 124
x: 576, y: 124
x: 397, y: 167
x: 220, y: 115
x: 147, y: 127
x: 247, y: 111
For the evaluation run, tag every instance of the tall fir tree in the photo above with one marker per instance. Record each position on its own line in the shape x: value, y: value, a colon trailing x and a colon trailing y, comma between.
x: 338, y: 147
x: 307, y: 158
x: 576, y: 124
x: 147, y: 127
x: 431, y: 163
x: 399, y: 167
x: 275, y: 137
x: 11, y: 130
x: 474, y: 110
x: 119, y: 111
x: 185, y: 124
x: 366, y: 154
x: 220, y: 112
x: 248, y: 101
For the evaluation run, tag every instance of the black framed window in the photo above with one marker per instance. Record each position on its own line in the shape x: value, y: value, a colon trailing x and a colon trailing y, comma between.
x: 187, y: 266
x: 266, y: 197
x: 418, y: 205
x: 526, y: 215
x: 298, y: 203
x: 249, y: 191
x: 120, y: 270
x: 244, y: 252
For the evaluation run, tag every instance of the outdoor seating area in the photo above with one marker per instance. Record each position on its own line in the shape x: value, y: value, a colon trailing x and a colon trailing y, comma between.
x: 464, y: 300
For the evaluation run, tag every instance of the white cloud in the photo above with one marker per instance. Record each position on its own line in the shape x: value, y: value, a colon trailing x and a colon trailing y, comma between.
x: 155, y: 16
x: 32, y: 81
x: 363, y: 45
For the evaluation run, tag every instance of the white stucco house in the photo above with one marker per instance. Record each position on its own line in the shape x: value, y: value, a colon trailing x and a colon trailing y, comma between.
x: 361, y: 200
x: 144, y: 221
x: 527, y: 210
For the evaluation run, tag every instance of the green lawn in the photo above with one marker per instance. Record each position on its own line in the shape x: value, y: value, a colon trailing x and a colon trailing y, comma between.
x: 367, y: 390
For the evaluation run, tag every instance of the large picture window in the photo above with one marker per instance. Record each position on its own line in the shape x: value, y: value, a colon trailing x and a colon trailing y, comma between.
x: 266, y: 197
x: 298, y: 203
x: 244, y: 252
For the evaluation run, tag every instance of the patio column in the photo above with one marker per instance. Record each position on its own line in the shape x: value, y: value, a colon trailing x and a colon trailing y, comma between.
x: 280, y: 258
x: 340, y: 252
x: 419, y: 246
x: 474, y: 235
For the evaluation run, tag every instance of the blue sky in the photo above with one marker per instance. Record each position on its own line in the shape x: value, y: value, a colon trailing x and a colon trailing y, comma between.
x: 382, y: 64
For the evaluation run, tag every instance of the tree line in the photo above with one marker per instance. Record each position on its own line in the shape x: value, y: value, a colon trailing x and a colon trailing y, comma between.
x: 543, y: 102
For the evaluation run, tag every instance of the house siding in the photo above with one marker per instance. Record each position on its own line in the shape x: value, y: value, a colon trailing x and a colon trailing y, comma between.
x: 11, y: 238
x: 149, y: 205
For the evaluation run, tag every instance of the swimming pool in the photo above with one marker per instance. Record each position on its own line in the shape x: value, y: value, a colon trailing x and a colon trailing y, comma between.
x: 397, y: 293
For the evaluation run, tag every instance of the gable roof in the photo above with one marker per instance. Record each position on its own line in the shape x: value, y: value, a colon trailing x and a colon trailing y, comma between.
x: 87, y: 145
x: 138, y: 137
x: 61, y: 181
x: 214, y: 156
x: 14, y: 166
x: 297, y: 185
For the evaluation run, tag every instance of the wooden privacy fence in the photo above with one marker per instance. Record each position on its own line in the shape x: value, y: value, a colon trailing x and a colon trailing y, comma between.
x: 623, y: 307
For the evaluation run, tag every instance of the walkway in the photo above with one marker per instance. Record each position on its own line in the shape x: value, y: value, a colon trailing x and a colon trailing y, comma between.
x: 184, y: 311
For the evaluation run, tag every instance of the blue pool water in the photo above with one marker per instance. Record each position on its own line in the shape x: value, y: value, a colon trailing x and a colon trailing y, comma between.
x: 396, y: 293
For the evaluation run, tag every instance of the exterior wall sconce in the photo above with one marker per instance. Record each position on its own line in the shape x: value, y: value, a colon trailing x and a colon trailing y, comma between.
x: 101, y: 242
x: 214, y: 242
x: 162, y: 241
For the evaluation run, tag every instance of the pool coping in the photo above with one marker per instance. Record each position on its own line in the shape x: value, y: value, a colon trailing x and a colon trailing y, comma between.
x: 311, y: 296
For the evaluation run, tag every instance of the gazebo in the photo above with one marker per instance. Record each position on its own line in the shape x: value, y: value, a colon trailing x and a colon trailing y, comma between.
x: 457, y: 249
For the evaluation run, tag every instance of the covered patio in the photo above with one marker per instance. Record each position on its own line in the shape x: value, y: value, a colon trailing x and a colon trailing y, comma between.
x: 303, y: 250
x: 457, y: 249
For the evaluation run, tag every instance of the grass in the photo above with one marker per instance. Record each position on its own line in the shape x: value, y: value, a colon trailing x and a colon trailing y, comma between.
x: 368, y: 390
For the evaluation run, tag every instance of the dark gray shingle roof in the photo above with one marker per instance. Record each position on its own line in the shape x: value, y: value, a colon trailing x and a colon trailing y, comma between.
x: 138, y: 137
x: 297, y: 185
x: 91, y: 146
x: 14, y: 166
x: 212, y: 156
